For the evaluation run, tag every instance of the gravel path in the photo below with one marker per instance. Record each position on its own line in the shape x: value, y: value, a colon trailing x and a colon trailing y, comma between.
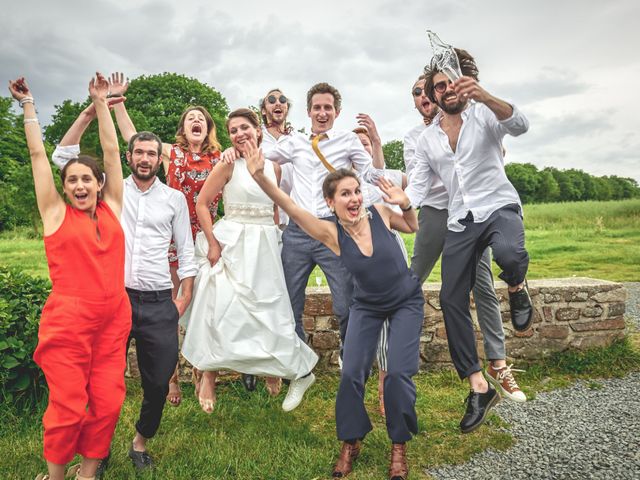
x: 590, y: 430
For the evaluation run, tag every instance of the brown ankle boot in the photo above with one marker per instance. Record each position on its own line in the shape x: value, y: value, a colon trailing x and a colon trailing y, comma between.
x: 398, y: 468
x: 344, y: 465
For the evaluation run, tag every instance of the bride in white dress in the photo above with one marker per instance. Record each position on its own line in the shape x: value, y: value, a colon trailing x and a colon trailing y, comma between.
x: 240, y: 317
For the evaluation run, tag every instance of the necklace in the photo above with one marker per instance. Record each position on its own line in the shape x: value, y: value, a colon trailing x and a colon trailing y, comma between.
x: 363, y: 213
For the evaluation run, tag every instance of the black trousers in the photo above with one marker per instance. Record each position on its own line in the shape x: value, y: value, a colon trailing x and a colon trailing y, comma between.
x: 155, y: 329
x: 503, y: 231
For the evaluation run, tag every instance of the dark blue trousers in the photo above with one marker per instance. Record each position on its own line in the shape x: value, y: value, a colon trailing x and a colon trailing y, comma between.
x: 403, y: 357
x: 503, y: 231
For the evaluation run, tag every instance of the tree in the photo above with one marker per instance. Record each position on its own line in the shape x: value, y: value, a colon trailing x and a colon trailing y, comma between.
x: 525, y: 179
x: 155, y: 103
x: 394, y: 155
x: 548, y: 190
x: 17, y: 193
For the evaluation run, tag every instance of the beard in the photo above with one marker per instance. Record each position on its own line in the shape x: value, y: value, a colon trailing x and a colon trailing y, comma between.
x: 135, y: 171
x: 452, y: 109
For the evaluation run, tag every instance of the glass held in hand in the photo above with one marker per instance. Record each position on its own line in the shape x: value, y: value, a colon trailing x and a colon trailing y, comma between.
x: 444, y: 57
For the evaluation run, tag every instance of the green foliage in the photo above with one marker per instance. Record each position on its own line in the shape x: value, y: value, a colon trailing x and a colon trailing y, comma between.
x: 394, y: 155
x: 21, y: 300
x: 17, y: 195
x: 155, y: 103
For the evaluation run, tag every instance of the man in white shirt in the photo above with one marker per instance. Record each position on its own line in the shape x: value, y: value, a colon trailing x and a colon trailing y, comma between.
x: 463, y: 146
x: 312, y: 159
x: 153, y: 214
x: 427, y: 247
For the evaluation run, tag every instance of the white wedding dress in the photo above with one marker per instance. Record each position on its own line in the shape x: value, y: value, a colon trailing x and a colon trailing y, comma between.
x: 240, y: 316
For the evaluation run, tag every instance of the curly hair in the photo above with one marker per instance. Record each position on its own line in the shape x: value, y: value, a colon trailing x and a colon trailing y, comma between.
x: 324, y: 87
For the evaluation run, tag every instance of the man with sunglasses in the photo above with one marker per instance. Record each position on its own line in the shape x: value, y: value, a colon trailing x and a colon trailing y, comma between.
x: 274, y: 108
x: 463, y: 147
x: 427, y: 247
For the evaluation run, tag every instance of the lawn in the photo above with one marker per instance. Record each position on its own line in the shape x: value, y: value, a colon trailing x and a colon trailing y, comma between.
x: 584, y: 239
x: 249, y: 436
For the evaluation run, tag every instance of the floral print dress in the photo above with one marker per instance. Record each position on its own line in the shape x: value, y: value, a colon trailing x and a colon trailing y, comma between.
x: 187, y: 172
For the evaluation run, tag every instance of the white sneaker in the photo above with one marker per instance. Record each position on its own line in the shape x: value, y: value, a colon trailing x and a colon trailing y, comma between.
x: 296, y: 391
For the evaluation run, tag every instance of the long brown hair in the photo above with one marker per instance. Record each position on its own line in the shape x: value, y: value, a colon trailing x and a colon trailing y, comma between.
x: 87, y: 161
x: 210, y: 143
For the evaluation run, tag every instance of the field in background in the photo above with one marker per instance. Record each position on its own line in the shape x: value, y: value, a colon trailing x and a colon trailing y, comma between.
x: 584, y: 239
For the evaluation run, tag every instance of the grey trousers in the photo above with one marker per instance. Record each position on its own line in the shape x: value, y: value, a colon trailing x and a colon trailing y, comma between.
x: 503, y: 231
x: 300, y: 255
x: 427, y: 247
x: 405, y: 324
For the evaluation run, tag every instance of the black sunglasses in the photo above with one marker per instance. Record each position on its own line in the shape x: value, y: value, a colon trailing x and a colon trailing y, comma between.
x: 273, y: 99
x: 417, y: 91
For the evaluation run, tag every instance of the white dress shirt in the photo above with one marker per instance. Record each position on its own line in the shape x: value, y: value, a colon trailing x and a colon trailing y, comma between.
x: 149, y: 220
x: 437, y: 197
x: 474, y: 175
x: 342, y: 149
x: 63, y: 153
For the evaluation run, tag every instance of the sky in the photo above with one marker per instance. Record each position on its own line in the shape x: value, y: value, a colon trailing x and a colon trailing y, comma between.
x: 570, y: 66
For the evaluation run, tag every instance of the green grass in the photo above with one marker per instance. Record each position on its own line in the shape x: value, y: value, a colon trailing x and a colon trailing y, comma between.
x: 249, y: 437
x: 583, y: 239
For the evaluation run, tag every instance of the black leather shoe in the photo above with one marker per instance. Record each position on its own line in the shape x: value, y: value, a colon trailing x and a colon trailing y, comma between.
x: 249, y: 382
x: 141, y: 460
x: 478, y: 406
x: 521, y: 309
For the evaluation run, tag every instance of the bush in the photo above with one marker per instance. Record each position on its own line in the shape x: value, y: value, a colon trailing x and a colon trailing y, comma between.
x: 21, y: 300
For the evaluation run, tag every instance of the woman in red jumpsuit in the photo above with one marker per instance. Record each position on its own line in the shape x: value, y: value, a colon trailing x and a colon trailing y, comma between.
x: 87, y: 317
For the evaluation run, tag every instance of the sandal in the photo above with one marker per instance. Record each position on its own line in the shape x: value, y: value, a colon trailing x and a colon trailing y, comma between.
x: 74, y: 472
x: 274, y: 384
x: 42, y: 476
x: 174, y: 397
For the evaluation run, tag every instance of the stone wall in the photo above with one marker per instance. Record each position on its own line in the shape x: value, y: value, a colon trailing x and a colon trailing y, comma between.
x: 575, y: 313
x: 569, y: 313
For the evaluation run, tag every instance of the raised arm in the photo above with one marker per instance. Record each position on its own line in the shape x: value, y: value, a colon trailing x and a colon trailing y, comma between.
x: 113, y: 187
x: 322, y: 230
x: 406, y: 222
x: 376, y: 143
x: 69, y: 146
x: 217, y: 179
x: 50, y: 204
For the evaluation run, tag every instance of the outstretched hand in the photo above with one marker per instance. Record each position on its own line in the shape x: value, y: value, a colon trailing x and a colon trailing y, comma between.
x: 98, y: 87
x: 19, y: 89
x: 254, y: 158
x: 118, y: 84
x: 367, y: 122
x: 392, y: 193
x: 230, y: 155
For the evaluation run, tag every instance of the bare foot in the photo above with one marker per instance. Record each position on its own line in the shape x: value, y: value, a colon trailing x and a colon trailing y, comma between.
x: 174, y: 397
x: 207, y: 395
x: 274, y: 384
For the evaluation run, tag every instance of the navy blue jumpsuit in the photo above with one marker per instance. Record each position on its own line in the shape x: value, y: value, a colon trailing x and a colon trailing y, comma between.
x: 384, y: 288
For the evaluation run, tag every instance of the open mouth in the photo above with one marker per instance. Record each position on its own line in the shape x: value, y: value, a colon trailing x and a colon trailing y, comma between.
x: 196, y: 129
x: 278, y: 111
x: 426, y: 104
x: 81, y: 197
x: 354, y: 210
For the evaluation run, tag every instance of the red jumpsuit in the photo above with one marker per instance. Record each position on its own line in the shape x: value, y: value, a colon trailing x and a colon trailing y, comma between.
x: 83, y: 334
